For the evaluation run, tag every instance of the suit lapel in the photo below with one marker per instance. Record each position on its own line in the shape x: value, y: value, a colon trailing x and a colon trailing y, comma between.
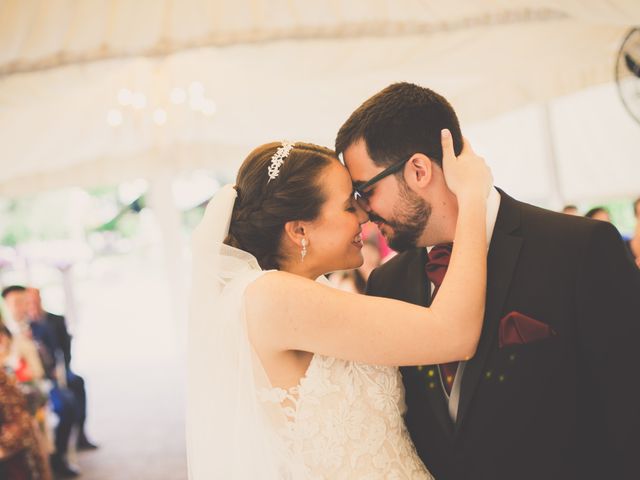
x: 417, y: 290
x: 501, y: 262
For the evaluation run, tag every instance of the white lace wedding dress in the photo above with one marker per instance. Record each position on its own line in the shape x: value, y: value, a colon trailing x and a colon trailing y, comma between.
x: 345, y: 422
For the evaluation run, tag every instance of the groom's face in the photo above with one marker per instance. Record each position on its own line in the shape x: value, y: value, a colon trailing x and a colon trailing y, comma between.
x: 400, y: 214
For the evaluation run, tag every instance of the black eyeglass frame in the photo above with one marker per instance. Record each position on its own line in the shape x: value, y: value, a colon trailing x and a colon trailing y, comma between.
x: 359, y: 193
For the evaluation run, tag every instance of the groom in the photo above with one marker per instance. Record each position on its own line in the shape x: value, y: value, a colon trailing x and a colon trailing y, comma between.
x: 553, y: 390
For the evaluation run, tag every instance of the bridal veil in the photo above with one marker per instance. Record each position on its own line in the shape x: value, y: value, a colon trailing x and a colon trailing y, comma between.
x: 230, y: 434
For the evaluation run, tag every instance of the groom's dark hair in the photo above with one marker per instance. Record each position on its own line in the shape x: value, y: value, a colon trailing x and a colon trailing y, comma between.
x: 399, y: 121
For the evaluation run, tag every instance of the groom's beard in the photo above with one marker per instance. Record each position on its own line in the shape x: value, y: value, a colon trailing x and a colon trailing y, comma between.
x: 410, y: 219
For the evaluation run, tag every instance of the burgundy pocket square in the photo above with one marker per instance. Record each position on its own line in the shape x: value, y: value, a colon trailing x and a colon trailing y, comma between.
x: 517, y: 328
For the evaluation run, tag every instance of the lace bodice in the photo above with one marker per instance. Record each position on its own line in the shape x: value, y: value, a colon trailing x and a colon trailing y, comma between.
x: 345, y: 422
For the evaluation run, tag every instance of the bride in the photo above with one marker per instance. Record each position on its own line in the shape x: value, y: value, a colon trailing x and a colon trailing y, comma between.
x: 288, y: 377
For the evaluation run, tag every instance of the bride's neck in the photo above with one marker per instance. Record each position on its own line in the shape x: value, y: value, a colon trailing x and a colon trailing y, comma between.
x: 299, y: 268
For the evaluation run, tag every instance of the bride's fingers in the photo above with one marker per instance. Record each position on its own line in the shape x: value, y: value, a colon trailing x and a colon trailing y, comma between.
x: 466, y: 146
x: 447, y: 146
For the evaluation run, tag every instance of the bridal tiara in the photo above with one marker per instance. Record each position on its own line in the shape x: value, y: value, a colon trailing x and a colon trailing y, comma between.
x: 278, y: 159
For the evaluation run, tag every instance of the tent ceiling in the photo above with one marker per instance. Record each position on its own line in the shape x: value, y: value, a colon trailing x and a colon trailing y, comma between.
x: 36, y: 34
x: 275, y: 69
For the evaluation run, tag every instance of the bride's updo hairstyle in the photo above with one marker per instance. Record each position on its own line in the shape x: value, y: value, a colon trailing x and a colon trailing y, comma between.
x: 264, y: 206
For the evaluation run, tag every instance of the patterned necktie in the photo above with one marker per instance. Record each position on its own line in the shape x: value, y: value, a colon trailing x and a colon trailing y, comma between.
x: 436, y: 269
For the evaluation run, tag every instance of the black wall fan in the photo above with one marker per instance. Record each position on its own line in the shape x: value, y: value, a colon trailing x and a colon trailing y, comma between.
x: 628, y: 73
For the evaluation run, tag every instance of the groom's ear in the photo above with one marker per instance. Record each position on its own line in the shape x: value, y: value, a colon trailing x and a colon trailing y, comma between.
x: 295, y: 231
x: 419, y: 171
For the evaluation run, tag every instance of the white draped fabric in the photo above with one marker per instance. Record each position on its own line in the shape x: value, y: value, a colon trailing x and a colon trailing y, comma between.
x: 277, y: 69
x: 41, y: 33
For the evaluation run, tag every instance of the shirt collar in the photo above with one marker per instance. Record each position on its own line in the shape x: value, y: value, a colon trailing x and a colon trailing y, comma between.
x: 493, y: 205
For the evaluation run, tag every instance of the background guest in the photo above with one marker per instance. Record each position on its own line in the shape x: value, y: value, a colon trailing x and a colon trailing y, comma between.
x: 372, y: 258
x: 570, y: 210
x: 356, y: 280
x: 59, y: 347
x: 633, y: 244
x: 599, y: 213
x: 62, y: 399
x: 23, y: 451
x: 27, y: 365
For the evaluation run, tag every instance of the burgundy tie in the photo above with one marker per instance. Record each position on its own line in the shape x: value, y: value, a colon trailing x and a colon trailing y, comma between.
x: 436, y: 269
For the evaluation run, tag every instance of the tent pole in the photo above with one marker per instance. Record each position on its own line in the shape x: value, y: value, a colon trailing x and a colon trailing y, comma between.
x: 167, y: 215
x: 70, y: 304
x: 556, y: 200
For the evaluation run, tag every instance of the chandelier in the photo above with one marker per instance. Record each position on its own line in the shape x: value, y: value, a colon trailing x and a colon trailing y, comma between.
x: 160, y: 109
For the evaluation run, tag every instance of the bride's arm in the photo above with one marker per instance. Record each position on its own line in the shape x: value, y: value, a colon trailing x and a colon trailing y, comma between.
x: 299, y: 314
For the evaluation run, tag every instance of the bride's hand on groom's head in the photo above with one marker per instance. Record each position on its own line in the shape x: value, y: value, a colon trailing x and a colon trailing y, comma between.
x: 467, y: 175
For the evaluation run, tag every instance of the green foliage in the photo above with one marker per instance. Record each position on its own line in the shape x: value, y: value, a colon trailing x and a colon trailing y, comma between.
x: 49, y: 216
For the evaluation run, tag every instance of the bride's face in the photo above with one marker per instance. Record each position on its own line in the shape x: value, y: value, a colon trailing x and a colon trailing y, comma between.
x: 335, y: 237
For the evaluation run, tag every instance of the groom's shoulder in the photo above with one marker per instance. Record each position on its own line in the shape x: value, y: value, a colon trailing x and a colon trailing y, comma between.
x: 538, y: 219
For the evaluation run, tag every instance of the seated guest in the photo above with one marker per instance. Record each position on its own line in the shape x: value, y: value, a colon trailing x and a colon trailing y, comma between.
x: 23, y: 454
x: 570, y: 210
x: 25, y: 360
x: 62, y: 400
x: 59, y: 347
x: 27, y: 363
x: 599, y: 213
x: 633, y: 244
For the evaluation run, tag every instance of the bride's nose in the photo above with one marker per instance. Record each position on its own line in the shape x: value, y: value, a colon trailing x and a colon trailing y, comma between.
x: 363, y: 217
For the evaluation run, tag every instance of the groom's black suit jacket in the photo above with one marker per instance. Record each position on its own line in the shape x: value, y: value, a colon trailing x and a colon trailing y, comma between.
x: 564, y: 407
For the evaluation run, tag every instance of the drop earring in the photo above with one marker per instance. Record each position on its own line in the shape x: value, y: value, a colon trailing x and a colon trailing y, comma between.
x: 303, y: 253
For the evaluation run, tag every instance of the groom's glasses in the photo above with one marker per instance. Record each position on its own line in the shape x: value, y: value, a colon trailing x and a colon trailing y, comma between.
x: 362, y: 190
